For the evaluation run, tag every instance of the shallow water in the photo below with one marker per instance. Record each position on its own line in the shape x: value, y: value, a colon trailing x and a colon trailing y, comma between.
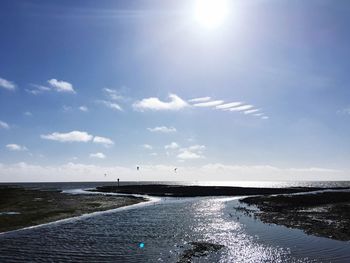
x: 166, y: 228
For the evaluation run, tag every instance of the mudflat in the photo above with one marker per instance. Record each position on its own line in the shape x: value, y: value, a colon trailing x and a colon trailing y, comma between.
x: 324, y: 214
x: 192, y: 191
x: 20, y: 207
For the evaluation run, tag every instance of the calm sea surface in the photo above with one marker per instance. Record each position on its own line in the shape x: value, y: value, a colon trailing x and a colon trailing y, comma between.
x: 166, y: 226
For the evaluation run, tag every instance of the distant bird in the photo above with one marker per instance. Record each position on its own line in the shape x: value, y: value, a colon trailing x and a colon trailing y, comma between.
x: 137, y: 168
x: 105, y: 175
x: 175, y: 170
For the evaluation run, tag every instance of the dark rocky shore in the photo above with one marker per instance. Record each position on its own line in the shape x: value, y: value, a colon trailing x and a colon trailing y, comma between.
x: 192, y: 191
x: 20, y: 207
x: 325, y: 214
x: 199, y: 249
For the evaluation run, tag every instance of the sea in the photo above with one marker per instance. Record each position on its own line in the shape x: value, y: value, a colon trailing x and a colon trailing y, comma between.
x: 162, y: 230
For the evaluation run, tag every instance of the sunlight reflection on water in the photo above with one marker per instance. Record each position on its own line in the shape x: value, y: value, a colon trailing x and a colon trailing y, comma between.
x: 166, y: 228
x: 239, y: 247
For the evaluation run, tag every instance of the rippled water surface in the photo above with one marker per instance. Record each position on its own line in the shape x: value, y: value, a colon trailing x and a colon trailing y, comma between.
x: 166, y: 227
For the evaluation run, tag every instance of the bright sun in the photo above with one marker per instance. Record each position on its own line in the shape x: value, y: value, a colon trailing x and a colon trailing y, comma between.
x: 211, y: 13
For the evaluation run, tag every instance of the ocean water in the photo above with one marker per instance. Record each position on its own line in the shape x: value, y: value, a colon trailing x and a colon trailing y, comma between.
x: 166, y: 227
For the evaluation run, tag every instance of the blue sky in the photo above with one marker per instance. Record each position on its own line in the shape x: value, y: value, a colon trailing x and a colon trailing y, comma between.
x: 94, y: 87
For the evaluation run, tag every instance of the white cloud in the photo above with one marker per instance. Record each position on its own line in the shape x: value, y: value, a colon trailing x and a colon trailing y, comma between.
x: 209, y: 103
x: 251, y: 111
x: 147, y: 146
x: 114, y: 106
x: 4, y: 125
x: 111, y: 105
x: 187, y: 155
x: 97, y: 155
x: 265, y: 117
x: 61, y: 86
x: 16, y: 147
x: 162, y: 129
x: 84, y: 108
x: 153, y: 154
x: 192, y: 152
x: 27, y: 113
x: 38, y: 89
x: 198, y: 148
x: 66, y: 108
x: 103, y: 140
x: 54, y: 84
x: 175, y: 103
x: 113, y: 94
x: 202, y: 99
x: 229, y: 105
x: 78, y: 136
x: 73, y: 136
x: 171, y: 146
x: 241, y: 108
x: 6, y: 84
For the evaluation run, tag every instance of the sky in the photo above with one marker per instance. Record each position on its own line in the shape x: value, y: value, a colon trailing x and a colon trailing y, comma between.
x: 221, y: 90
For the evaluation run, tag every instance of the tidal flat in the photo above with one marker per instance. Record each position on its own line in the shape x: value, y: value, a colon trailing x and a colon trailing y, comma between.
x: 324, y: 214
x: 194, y: 190
x: 21, y: 207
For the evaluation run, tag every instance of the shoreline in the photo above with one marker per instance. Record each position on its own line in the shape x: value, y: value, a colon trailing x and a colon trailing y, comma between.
x: 22, y: 208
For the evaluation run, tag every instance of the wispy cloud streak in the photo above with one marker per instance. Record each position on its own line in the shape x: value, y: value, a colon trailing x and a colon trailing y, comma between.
x: 162, y: 129
x: 202, y: 99
x: 251, y: 111
x: 242, y: 108
x: 209, y: 103
x: 229, y: 105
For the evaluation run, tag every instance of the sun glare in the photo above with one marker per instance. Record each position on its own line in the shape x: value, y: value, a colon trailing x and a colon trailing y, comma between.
x: 211, y: 13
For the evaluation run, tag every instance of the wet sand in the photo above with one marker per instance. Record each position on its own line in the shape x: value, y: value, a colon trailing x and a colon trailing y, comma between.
x: 20, y: 207
x: 193, y: 191
x: 325, y: 214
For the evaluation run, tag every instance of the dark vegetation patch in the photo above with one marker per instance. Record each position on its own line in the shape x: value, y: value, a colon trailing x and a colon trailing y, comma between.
x: 192, y: 191
x: 325, y: 214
